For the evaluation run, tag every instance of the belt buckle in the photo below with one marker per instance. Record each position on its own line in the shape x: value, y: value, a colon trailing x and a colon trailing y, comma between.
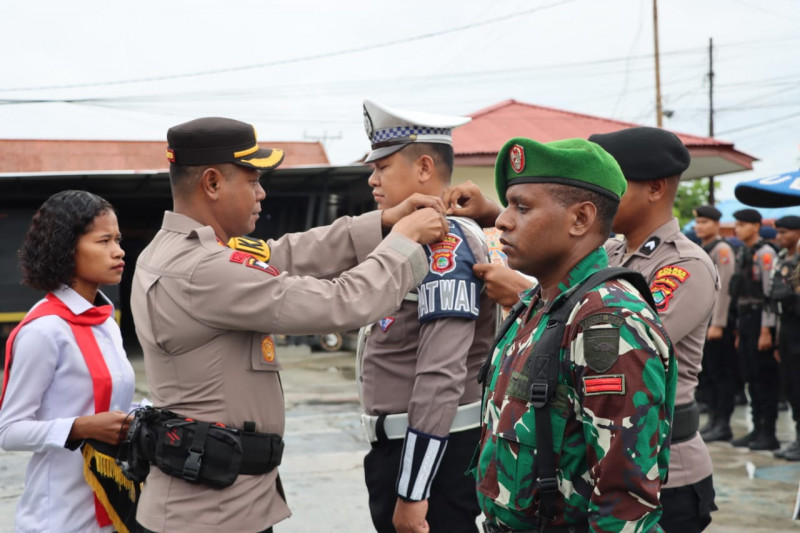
x: 366, y: 428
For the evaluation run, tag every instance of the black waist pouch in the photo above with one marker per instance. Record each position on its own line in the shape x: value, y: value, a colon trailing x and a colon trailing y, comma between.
x: 199, y: 452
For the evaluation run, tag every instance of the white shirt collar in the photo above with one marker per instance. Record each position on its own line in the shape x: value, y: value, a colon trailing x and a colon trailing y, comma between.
x: 74, y: 301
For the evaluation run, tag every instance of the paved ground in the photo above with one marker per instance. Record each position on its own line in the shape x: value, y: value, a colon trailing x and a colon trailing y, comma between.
x: 323, y: 475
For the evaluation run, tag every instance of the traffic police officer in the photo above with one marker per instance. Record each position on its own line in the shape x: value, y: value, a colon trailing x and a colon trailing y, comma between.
x: 721, y: 377
x: 419, y: 364
x: 684, y: 283
x: 754, y: 263
x: 609, y: 418
x: 784, y: 300
x: 204, y: 313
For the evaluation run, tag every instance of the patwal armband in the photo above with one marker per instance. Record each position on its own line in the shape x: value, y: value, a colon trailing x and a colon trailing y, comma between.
x: 421, y: 457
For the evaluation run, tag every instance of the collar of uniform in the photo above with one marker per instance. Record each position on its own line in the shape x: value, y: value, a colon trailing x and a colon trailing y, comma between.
x: 587, y: 266
x: 75, y: 302
x: 664, y: 233
x: 193, y: 229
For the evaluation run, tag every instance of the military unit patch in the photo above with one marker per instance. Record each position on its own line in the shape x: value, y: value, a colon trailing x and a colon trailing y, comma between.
x: 667, y: 281
x: 724, y: 255
x: 517, y: 157
x: 766, y: 259
x: 601, y: 347
x: 607, y: 384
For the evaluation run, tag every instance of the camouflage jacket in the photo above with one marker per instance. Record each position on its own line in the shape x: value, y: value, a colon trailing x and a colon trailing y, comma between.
x: 610, y: 419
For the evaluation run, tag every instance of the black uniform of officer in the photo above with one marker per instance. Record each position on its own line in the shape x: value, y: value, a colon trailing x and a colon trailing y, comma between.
x: 754, y: 263
x: 784, y: 300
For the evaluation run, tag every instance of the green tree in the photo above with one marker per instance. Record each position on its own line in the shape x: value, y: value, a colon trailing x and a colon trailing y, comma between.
x: 690, y: 194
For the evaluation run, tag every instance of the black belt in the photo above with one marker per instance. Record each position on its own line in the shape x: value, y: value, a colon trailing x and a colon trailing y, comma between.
x: 488, y: 527
x: 685, y: 422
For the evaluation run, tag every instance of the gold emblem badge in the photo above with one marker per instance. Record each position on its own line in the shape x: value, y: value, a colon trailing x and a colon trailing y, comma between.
x: 268, y: 349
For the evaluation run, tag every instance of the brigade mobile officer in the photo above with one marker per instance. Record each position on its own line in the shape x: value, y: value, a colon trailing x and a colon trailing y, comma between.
x: 784, y: 300
x: 204, y: 315
x: 594, y: 457
x: 719, y: 356
x: 754, y: 263
x: 419, y: 364
x: 684, y: 284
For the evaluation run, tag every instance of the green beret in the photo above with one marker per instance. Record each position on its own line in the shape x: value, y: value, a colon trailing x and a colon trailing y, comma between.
x: 573, y: 162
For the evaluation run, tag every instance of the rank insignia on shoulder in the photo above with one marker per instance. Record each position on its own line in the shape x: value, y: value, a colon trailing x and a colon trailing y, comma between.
x: 384, y: 323
x: 256, y: 247
x: 606, y: 384
x: 601, y: 347
x: 650, y: 245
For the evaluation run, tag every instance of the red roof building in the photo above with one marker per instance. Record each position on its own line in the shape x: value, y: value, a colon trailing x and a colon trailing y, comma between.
x: 476, y: 144
x: 22, y: 155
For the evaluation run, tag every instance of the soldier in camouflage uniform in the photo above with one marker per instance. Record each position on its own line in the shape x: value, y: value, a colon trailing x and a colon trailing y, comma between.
x: 610, y: 419
x: 784, y: 300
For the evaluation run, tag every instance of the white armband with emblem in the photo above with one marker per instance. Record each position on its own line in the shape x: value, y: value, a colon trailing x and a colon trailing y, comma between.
x: 421, y: 457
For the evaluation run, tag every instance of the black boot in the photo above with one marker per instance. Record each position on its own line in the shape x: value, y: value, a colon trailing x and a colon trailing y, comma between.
x: 720, y: 431
x: 765, y: 439
x: 793, y: 448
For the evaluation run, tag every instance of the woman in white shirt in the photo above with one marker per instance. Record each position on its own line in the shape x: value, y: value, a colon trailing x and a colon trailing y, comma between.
x: 67, y: 376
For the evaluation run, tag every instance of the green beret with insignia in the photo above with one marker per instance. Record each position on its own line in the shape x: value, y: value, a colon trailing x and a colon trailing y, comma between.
x: 573, y: 162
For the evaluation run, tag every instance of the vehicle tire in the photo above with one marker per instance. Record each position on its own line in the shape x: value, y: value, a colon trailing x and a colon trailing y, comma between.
x: 331, y: 342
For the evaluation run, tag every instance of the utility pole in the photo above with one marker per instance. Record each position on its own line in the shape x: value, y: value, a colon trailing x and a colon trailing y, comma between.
x: 658, y: 73
x: 710, y: 110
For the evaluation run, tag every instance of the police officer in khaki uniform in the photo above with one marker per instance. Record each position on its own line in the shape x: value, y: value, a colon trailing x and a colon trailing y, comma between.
x: 784, y: 300
x: 420, y: 362
x: 720, y: 375
x: 755, y: 324
x: 684, y: 284
x: 205, y: 313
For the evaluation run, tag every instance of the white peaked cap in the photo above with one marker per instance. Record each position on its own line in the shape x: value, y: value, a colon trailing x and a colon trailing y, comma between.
x: 391, y: 129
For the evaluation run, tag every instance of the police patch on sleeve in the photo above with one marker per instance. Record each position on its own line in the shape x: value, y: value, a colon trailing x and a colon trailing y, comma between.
x: 667, y: 281
x: 251, y: 262
x: 450, y: 289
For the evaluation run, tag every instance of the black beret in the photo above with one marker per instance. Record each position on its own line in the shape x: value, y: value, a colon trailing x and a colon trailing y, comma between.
x: 645, y: 153
x: 707, y: 211
x: 788, y: 222
x: 209, y: 140
x: 747, y: 215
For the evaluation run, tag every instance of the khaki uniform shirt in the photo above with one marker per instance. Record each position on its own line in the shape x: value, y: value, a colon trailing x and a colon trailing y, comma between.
x: 204, y: 314
x: 684, y: 284
x: 427, y: 370
x: 723, y: 257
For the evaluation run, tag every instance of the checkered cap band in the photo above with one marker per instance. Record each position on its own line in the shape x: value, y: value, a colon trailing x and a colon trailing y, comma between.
x: 399, y: 132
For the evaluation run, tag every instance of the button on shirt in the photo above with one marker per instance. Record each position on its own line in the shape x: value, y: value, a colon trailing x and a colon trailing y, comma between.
x: 49, y: 387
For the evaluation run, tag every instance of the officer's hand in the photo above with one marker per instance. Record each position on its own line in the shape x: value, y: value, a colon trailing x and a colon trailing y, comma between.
x: 109, y: 426
x: 409, y: 517
x: 467, y: 200
x: 764, y: 340
x: 424, y: 225
x: 777, y: 356
x: 714, y: 333
x: 503, y: 284
x: 390, y: 216
x: 736, y: 340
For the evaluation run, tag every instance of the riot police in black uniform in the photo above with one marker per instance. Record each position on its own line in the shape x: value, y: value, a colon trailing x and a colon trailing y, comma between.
x: 754, y: 263
x: 784, y: 300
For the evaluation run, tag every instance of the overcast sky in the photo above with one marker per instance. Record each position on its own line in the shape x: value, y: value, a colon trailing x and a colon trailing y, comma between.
x: 299, y: 70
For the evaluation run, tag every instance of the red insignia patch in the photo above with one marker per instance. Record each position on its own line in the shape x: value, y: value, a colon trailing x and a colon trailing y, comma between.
x: 767, y: 260
x: 724, y: 256
x: 170, y: 155
x: 667, y: 281
x: 517, y: 157
x: 384, y: 323
x: 252, y: 262
x: 443, y: 254
x: 609, y: 384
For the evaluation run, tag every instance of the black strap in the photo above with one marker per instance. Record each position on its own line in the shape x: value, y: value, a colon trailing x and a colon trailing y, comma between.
x: 710, y: 246
x: 515, y: 312
x: 544, y: 377
x: 191, y: 468
x: 685, y: 422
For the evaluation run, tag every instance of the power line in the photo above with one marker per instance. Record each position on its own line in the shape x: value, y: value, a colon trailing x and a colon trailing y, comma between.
x: 762, y: 123
x: 312, y: 57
